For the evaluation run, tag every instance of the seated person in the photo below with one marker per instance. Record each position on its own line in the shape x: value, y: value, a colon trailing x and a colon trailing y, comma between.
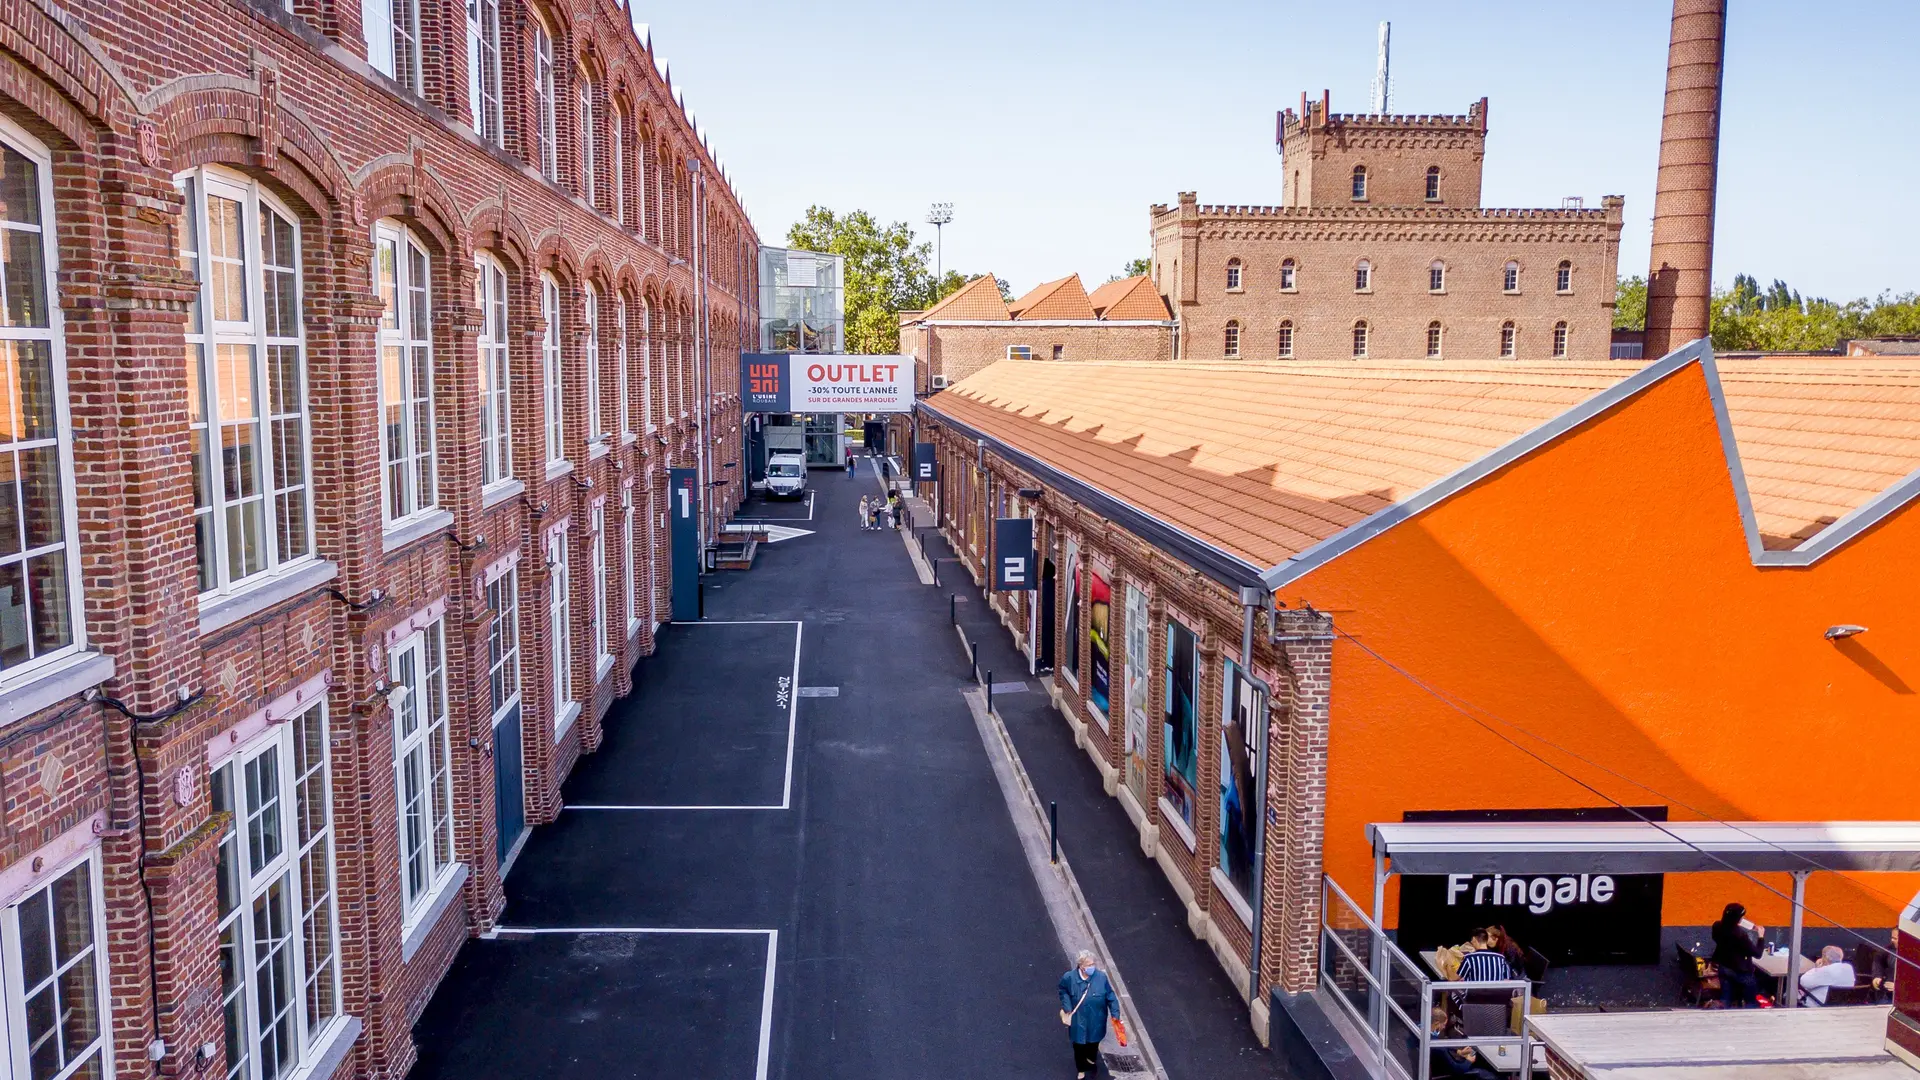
x: 1454, y: 1060
x: 1736, y: 945
x: 1829, y: 971
x: 1503, y: 943
x: 1885, y: 961
x: 1483, y: 961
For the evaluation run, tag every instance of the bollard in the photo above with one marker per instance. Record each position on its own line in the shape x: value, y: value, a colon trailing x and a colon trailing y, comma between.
x: 973, y: 660
x: 700, y: 594
x: 989, y: 685
x: 953, y: 608
x: 1053, y: 831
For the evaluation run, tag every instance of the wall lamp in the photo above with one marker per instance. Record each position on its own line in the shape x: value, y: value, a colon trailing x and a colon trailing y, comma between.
x: 1844, y: 630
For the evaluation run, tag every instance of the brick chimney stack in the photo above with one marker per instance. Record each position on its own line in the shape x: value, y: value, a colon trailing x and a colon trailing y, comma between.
x: 1679, y: 277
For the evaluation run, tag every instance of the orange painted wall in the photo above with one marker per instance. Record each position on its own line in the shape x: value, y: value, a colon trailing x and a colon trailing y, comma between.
x: 1599, y: 593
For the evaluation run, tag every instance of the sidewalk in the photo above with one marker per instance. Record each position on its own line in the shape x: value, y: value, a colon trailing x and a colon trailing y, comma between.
x: 1199, y: 1023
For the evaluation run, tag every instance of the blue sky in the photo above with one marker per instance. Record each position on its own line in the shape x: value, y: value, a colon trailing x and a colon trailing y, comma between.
x: 1052, y: 125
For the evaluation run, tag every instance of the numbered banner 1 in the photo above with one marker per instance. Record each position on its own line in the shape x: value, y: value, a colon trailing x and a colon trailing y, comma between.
x: 923, y: 463
x: 683, y: 530
x: 1013, y: 555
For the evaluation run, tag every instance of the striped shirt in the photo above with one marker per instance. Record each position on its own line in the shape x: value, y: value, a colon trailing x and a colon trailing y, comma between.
x: 1484, y: 965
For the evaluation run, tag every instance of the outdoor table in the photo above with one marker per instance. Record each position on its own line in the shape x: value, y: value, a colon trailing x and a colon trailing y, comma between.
x: 1431, y: 958
x: 1505, y: 1057
x: 1775, y: 966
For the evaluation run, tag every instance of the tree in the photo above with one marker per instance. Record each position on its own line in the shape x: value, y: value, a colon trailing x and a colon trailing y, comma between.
x: 1135, y: 268
x: 886, y: 272
x: 1630, y: 304
x: 1777, y: 319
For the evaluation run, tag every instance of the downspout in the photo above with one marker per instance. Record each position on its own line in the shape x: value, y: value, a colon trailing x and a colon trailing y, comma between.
x: 1251, y: 598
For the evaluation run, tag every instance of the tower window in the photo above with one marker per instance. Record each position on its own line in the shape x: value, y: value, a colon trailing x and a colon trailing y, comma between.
x: 1560, y: 341
x: 1286, y: 275
x: 1433, y: 340
x: 1233, y: 338
x: 1433, y: 183
x: 1437, y: 277
x: 1363, y: 276
x: 1233, y: 274
x: 1506, y: 340
x: 1510, y: 278
x: 1286, y: 339
x: 1563, y: 277
x: 1359, y: 183
x: 1360, y: 339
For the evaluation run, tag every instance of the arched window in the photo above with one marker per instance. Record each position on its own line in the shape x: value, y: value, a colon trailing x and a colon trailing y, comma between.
x: 617, y: 147
x: 1510, y: 278
x: 1286, y: 339
x: 402, y: 275
x: 1360, y: 338
x: 550, y: 367
x: 1233, y: 273
x: 1437, y: 277
x: 1359, y: 182
x: 1286, y: 275
x: 1559, y: 341
x: 253, y: 511
x: 589, y: 164
x: 646, y: 364
x: 483, y: 70
x: 596, y: 424
x: 545, y: 101
x: 1507, y: 340
x: 1233, y: 338
x: 496, y: 428
x: 1433, y: 183
x: 1433, y: 340
x: 1563, y: 277
x: 392, y: 32
x: 621, y: 382
x: 1363, y: 276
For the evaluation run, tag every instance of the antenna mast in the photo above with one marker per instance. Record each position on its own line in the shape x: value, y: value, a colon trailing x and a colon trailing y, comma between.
x: 1382, y: 86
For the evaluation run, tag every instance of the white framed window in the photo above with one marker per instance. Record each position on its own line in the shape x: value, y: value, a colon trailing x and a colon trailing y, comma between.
x: 40, y: 616
x: 503, y: 640
x: 646, y: 363
x: 560, y: 615
x: 595, y: 426
x: 1233, y: 274
x: 279, y: 931
x: 1437, y: 277
x: 1434, y: 335
x: 617, y: 146
x: 628, y: 556
x: 1232, y: 342
x: 589, y: 187
x: 392, y: 31
x: 56, y: 985
x: 1433, y: 183
x: 545, y: 100
x: 1359, y: 182
x: 1360, y: 339
x: 483, y: 70
x: 1507, y: 336
x: 550, y: 368
x: 1510, y: 278
x: 496, y: 427
x: 1019, y: 352
x: 602, y: 645
x: 402, y: 273
x: 247, y: 411
x: 1563, y: 277
x: 1363, y: 276
x: 423, y: 782
x: 1287, y: 267
x: 621, y: 379
x: 1560, y: 341
x: 1286, y: 339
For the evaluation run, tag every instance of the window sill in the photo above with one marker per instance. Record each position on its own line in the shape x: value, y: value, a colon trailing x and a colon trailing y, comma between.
x: 219, y: 610
x: 633, y: 627
x: 1234, y: 899
x: 69, y: 676
x: 1509, y: 292
x: 1237, y: 290
x: 558, y: 469
x: 414, y: 933
x: 333, y: 1051
x: 491, y: 497
x: 600, y: 669
x: 629, y: 439
x: 419, y: 528
x: 1177, y: 823
x: 598, y: 449
x: 567, y: 716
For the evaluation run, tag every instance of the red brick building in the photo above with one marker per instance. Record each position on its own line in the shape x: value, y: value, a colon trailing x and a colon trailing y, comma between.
x: 343, y: 365
x: 1056, y: 320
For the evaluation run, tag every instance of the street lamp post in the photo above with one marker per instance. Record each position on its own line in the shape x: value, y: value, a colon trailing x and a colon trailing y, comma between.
x: 938, y: 216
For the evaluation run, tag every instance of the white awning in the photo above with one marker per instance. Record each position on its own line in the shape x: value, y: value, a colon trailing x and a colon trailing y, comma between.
x: 1582, y: 847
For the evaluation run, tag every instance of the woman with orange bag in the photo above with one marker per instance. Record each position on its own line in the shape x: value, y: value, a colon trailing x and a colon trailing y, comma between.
x: 1086, y: 1001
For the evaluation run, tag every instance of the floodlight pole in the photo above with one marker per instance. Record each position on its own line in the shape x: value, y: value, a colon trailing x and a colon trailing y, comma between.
x: 938, y: 216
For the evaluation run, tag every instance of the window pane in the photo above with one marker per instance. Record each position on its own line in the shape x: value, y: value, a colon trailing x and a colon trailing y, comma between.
x: 51, y: 610
x: 23, y: 277
x: 273, y: 979
x: 36, y: 939
x: 11, y: 542
x: 264, y: 841
x: 226, y: 254
x: 40, y: 495
x: 19, y: 188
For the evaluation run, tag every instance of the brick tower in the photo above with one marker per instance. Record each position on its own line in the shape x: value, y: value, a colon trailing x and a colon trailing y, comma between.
x: 1679, y: 276
x: 1322, y: 149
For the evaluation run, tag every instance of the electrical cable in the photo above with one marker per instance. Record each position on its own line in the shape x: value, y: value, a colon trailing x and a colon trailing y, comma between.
x: 1660, y: 826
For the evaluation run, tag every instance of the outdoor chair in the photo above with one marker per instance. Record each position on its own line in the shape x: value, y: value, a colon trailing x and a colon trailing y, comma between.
x: 1484, y: 1019
x: 1536, y: 968
x: 1699, y: 977
x: 1849, y: 995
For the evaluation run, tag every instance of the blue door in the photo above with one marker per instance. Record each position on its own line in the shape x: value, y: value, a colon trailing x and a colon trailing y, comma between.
x: 509, y: 800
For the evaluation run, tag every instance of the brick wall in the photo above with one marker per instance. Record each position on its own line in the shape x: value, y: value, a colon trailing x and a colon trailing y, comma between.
x: 1320, y: 152
x: 958, y: 350
x: 126, y: 97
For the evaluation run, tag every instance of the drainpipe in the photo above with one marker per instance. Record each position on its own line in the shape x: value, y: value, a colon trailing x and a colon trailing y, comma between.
x: 1252, y: 597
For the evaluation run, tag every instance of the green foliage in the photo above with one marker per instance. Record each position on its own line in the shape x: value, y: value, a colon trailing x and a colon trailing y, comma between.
x: 1630, y: 304
x: 1135, y: 268
x: 1777, y: 319
x: 887, y: 273
x: 1006, y: 291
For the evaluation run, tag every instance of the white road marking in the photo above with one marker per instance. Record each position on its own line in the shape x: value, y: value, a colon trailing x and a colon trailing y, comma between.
x: 766, y: 1005
x: 777, y: 533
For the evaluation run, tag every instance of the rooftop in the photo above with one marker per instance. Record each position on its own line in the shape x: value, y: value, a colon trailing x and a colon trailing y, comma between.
x: 1730, y: 1044
x: 1063, y: 299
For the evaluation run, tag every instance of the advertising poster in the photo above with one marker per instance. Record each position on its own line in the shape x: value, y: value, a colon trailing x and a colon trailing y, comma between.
x: 1100, y: 649
x: 1240, y: 726
x: 1178, y: 733
x: 825, y: 383
x: 1139, y: 655
x: 1072, y: 635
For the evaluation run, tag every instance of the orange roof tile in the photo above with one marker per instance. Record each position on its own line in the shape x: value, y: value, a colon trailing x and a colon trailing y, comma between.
x: 978, y: 299
x: 1129, y: 298
x: 1065, y: 298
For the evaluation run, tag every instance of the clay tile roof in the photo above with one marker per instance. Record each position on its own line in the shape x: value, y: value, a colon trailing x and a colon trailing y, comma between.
x: 1129, y: 298
x: 978, y: 299
x: 1264, y: 461
x: 1065, y: 298
x: 1821, y: 436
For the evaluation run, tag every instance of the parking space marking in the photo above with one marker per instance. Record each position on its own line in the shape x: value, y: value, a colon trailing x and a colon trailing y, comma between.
x: 766, y: 993
x: 770, y: 521
x: 785, y: 694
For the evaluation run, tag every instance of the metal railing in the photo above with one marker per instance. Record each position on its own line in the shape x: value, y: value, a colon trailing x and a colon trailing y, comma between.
x: 1389, y: 999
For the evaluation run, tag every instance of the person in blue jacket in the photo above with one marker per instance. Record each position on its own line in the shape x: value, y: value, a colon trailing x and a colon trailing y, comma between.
x: 1086, y: 1000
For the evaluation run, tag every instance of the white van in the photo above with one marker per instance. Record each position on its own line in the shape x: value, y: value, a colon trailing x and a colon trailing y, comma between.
x: 786, y: 474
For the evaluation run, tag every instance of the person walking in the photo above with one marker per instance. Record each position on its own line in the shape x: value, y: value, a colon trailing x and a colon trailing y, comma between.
x: 894, y: 509
x: 866, y: 514
x: 849, y: 462
x: 1086, y: 1001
